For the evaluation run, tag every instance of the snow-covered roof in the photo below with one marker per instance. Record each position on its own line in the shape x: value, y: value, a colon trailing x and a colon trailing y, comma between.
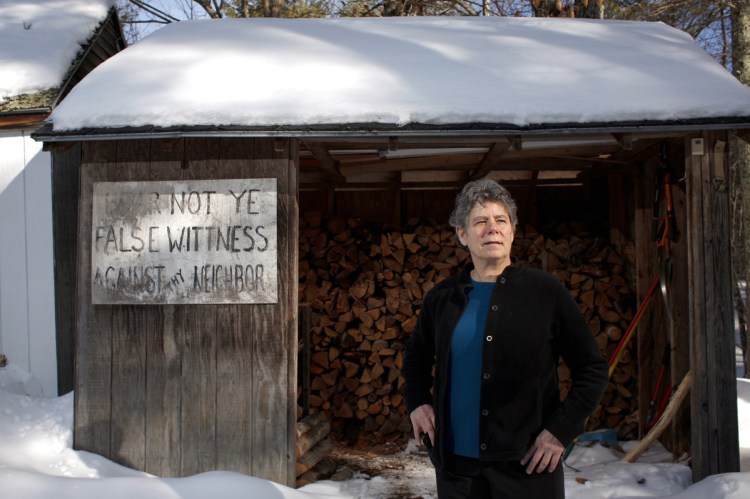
x: 400, y: 71
x: 39, y: 39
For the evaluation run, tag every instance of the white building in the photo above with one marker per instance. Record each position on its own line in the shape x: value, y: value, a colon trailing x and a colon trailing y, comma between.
x: 46, y: 47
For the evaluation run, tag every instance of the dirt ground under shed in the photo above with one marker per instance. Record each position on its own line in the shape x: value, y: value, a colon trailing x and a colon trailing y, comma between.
x: 404, y: 467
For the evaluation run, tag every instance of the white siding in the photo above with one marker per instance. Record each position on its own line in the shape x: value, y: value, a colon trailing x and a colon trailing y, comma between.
x: 27, y: 312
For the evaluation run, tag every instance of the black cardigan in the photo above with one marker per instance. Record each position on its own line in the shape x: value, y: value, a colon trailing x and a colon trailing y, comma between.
x: 532, y: 322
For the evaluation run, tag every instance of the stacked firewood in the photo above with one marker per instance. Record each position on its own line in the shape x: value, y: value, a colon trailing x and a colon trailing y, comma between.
x: 312, y: 447
x: 364, y: 285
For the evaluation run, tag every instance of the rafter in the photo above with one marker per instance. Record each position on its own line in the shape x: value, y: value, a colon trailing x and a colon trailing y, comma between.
x: 492, y: 159
x: 329, y: 165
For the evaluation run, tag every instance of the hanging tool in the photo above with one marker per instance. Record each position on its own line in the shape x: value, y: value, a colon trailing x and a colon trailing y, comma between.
x: 617, y: 354
x: 652, y: 407
x: 664, y: 228
x: 663, y: 232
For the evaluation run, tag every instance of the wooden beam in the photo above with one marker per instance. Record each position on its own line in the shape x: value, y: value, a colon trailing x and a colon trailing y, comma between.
x: 326, y: 162
x: 448, y: 161
x: 624, y: 139
x: 743, y: 135
x: 22, y: 120
x: 713, y: 401
x: 57, y: 147
x: 586, y: 153
x: 427, y: 185
x: 639, y: 151
x: 491, y: 160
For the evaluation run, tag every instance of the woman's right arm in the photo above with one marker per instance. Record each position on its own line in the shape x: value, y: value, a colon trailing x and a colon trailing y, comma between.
x: 417, y: 371
x: 423, y: 422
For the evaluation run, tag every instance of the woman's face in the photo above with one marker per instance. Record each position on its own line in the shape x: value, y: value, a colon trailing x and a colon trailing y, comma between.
x: 488, y: 234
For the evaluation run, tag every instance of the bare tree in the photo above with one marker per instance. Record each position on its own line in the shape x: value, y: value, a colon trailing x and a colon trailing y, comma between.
x: 740, y: 170
x: 214, y: 8
x: 271, y: 8
x: 594, y: 9
x: 705, y: 20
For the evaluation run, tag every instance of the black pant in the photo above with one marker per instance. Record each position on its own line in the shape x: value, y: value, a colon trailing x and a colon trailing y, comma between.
x: 468, y: 478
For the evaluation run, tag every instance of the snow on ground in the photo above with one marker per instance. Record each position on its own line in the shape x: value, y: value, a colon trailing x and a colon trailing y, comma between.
x: 37, y: 462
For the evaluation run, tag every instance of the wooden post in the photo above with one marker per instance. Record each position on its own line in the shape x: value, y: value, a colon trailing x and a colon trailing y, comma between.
x: 65, y: 179
x: 714, y: 395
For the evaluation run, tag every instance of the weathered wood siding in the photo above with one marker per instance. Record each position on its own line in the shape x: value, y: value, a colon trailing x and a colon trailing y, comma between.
x: 66, y: 162
x: 713, y: 397
x: 181, y: 389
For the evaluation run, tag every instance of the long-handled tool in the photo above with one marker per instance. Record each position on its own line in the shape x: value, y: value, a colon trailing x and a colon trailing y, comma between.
x: 655, y: 411
x: 617, y: 354
x: 661, y: 424
x: 664, y: 228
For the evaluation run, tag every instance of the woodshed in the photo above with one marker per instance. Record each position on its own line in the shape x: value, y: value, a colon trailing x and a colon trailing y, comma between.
x: 367, y: 138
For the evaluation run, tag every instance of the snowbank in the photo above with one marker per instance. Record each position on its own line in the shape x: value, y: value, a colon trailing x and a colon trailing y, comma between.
x: 37, y: 462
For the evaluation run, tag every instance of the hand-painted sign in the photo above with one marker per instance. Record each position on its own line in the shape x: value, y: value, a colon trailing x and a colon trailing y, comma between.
x: 202, y: 241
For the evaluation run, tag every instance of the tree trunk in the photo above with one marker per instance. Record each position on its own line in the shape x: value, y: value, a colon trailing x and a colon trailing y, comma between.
x: 547, y: 8
x: 272, y: 8
x: 207, y: 5
x: 392, y: 8
x: 244, y: 8
x: 590, y: 9
x: 741, y: 156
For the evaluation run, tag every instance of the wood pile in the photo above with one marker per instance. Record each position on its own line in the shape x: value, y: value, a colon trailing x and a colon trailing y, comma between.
x: 365, y: 284
x: 312, y: 447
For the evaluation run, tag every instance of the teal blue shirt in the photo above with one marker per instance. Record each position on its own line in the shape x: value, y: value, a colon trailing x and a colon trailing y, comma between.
x: 466, y: 372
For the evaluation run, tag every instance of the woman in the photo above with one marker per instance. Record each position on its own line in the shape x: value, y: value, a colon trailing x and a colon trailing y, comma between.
x: 491, y: 415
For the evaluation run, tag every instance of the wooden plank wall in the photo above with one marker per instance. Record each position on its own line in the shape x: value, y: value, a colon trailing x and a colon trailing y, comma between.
x: 177, y: 390
x: 714, y: 391
x: 66, y: 161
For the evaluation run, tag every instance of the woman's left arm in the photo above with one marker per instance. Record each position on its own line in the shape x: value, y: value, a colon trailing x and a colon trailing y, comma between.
x: 588, y: 369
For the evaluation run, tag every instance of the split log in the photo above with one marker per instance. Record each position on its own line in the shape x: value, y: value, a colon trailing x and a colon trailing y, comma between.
x: 306, y: 462
x: 310, y: 431
x: 312, y: 442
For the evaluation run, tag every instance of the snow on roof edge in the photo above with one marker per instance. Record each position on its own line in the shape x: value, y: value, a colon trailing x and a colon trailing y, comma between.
x: 48, y: 134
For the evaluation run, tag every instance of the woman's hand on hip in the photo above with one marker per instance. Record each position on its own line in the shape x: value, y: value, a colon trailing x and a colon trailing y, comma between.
x: 544, y: 454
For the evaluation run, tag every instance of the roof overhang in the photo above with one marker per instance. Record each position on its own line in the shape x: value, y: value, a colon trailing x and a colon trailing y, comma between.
x: 377, y: 156
x: 47, y: 134
x: 26, y: 118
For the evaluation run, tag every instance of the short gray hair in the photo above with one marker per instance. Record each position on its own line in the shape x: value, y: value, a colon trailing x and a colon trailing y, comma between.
x: 481, y: 191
